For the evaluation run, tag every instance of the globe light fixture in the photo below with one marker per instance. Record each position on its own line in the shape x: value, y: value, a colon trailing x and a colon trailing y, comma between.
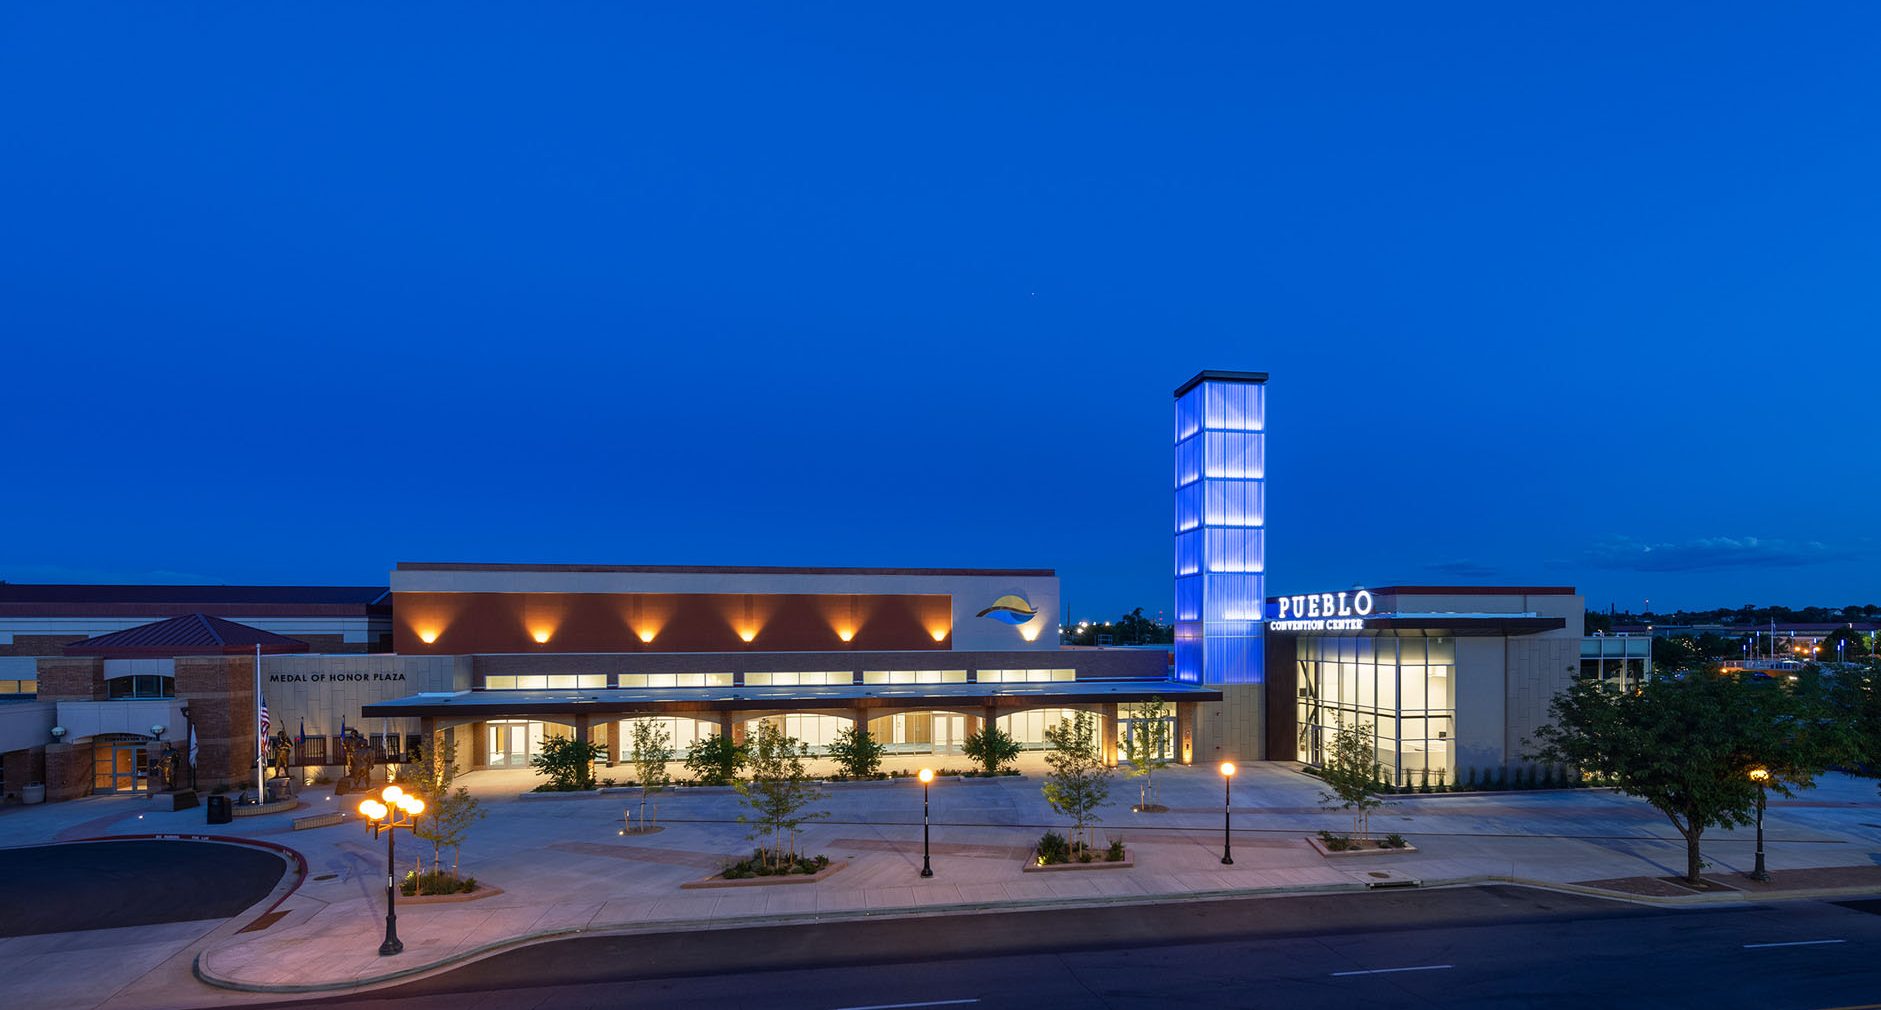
x: 395, y: 808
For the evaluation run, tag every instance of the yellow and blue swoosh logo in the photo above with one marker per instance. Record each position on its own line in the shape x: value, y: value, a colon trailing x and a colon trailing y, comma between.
x: 1010, y: 610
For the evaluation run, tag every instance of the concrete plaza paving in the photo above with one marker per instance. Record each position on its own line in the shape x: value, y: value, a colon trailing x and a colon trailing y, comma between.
x: 563, y: 867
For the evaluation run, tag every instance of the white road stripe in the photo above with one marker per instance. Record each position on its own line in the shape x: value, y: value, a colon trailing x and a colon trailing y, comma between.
x: 1792, y: 943
x: 1387, y: 971
x: 904, y: 1006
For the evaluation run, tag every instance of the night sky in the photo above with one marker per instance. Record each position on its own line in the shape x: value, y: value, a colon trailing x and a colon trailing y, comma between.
x: 289, y: 293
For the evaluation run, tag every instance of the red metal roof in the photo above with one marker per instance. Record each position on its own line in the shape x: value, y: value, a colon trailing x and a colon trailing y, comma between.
x: 193, y: 635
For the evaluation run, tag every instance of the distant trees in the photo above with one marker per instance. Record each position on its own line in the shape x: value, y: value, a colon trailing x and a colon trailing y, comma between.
x: 1133, y: 628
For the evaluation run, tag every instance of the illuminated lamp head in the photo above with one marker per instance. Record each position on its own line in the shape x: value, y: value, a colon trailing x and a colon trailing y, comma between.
x: 845, y: 633
x: 940, y: 634
x: 748, y: 634
x: 541, y: 635
x: 646, y: 635
x: 926, y: 775
x: 428, y: 635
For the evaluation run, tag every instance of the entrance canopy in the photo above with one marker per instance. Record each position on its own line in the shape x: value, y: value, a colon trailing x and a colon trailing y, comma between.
x: 507, y: 704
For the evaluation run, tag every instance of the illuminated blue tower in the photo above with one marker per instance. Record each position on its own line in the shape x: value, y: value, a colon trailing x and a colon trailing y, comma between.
x: 1221, y: 517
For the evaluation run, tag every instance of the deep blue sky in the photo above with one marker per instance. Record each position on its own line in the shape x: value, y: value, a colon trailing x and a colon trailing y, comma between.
x: 292, y: 292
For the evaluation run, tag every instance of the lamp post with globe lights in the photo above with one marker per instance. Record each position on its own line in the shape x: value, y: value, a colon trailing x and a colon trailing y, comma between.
x: 394, y: 809
x: 1227, y: 811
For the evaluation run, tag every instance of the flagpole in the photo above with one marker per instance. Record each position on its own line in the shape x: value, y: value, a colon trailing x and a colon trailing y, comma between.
x: 261, y: 785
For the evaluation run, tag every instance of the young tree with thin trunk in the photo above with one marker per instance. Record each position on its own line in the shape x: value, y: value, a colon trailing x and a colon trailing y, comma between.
x: 777, y: 793
x: 1079, y: 781
x: 1353, y: 774
x: 1145, y: 746
x: 653, y: 748
x: 449, y: 812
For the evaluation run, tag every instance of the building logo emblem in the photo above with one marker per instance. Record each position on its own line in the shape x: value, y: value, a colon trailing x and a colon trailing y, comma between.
x: 1010, y: 609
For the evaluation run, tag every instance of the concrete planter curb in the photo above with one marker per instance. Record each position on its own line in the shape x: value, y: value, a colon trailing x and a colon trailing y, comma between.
x: 1372, y: 850
x: 483, y: 891
x: 263, y: 809
x: 1031, y: 864
x: 793, y: 878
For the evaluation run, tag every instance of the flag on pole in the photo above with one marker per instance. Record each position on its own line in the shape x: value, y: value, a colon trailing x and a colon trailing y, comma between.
x: 192, y: 745
x: 303, y: 731
x: 264, y: 715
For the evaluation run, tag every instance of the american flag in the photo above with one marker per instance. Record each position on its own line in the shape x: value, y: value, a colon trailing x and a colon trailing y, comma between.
x: 264, y: 715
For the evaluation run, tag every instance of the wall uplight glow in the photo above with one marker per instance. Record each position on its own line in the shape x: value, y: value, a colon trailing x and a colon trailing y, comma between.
x: 940, y: 634
x: 646, y: 635
x: 845, y: 633
x: 748, y: 634
x: 428, y: 635
x: 1029, y: 632
x: 541, y: 635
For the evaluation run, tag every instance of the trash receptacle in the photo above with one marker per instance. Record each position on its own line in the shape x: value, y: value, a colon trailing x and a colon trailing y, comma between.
x: 221, y: 811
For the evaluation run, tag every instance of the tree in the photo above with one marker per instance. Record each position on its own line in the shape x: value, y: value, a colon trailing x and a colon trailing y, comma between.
x: 777, y: 793
x: 1852, y: 646
x: 991, y: 748
x: 857, y: 752
x: 1352, y: 774
x: 449, y: 812
x: 1687, y: 746
x: 568, y: 763
x: 1145, y: 746
x: 653, y: 748
x: 1079, y: 781
x: 715, y: 760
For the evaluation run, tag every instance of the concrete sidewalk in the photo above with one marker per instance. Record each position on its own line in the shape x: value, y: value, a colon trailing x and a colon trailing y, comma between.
x: 563, y: 867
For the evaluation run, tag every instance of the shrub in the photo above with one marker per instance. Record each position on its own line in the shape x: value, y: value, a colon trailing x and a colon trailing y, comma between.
x: 435, y: 882
x: 1337, y: 843
x: 1395, y: 841
x: 567, y: 762
x: 857, y: 752
x: 992, y: 748
x: 1053, y: 848
x: 1115, y: 854
x: 715, y: 760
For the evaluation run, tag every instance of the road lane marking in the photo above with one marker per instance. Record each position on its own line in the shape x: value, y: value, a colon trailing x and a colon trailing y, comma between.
x: 907, y: 1005
x: 1387, y: 971
x: 1792, y: 943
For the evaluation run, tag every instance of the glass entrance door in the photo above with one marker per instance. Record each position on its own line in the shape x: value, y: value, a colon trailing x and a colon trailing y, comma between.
x: 511, y: 742
x: 119, y: 767
x: 950, y: 731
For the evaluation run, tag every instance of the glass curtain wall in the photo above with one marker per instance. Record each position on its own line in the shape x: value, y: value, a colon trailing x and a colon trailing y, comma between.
x: 1400, y: 687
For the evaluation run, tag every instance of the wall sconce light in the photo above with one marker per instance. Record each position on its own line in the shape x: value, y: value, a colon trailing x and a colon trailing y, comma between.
x: 58, y: 733
x: 747, y: 635
x: 541, y: 637
x: 846, y: 634
x: 157, y: 730
x: 428, y: 635
x: 940, y: 634
x: 646, y: 637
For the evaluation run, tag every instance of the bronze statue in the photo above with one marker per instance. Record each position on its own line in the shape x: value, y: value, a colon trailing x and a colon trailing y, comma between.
x: 280, y: 754
x: 170, y: 767
x: 355, y: 762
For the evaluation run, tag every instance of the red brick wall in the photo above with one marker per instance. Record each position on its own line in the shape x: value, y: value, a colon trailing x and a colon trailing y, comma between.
x: 69, y: 770
x: 39, y: 645
x: 220, y: 693
x: 73, y: 678
x: 23, y: 767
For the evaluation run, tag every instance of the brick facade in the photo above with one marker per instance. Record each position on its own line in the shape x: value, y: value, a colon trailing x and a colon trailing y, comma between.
x: 73, y: 678
x: 69, y: 770
x: 22, y: 768
x: 220, y: 691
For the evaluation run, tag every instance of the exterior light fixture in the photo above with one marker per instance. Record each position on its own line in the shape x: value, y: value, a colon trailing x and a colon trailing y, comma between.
x: 940, y: 634
x: 428, y: 635
x: 845, y: 634
x: 157, y: 730
x: 646, y: 637
x: 541, y: 637
x: 58, y: 733
x: 747, y: 635
x: 1227, y: 811
x: 394, y: 809
x: 927, y: 778
x: 1761, y: 776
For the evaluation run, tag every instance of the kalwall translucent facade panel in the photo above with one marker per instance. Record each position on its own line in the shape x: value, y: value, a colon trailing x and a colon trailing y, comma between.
x: 1220, y: 520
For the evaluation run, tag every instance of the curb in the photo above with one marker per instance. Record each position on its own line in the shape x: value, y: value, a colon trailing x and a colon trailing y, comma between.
x: 965, y: 908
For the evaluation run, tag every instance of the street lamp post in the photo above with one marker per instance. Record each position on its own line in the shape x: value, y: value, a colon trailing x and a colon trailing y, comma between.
x: 384, y: 815
x: 927, y: 777
x: 1227, y: 812
x: 1761, y: 776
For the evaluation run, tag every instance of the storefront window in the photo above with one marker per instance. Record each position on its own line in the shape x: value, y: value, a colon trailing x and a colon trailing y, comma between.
x: 1400, y: 687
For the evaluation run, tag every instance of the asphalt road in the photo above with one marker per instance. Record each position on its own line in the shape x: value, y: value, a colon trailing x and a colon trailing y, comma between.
x: 1474, y: 947
x: 100, y: 885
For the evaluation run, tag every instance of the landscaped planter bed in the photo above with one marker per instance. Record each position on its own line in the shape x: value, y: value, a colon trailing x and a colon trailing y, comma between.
x: 715, y: 880
x: 483, y: 891
x: 1032, y: 865
x: 1368, y: 847
x: 259, y: 809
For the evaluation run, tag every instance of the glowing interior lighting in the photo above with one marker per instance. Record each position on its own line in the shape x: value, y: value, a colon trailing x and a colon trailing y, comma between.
x: 428, y: 635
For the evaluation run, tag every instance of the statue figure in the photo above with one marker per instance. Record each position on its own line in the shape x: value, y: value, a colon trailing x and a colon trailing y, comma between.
x: 355, y: 762
x: 170, y: 766
x: 280, y: 754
